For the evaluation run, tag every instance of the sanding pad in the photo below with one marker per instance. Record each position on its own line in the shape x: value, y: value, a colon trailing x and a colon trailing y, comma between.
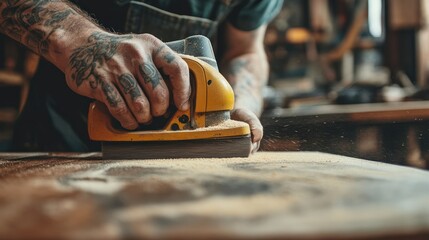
x: 205, y: 148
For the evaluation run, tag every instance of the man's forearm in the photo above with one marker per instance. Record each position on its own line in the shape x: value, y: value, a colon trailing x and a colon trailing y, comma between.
x: 122, y: 71
x: 49, y: 28
x: 248, y: 74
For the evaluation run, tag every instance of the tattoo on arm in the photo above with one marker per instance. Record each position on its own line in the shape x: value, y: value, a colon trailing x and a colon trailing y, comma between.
x: 130, y: 86
x: 244, y: 83
x: 234, y: 69
x: 84, y: 60
x: 237, y: 66
x: 150, y: 74
x: 32, y: 21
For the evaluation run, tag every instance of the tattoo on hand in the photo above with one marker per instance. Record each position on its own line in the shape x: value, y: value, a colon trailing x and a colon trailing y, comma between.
x: 130, y: 86
x: 169, y: 57
x: 150, y: 74
x: 110, y: 93
x: 84, y: 60
x: 31, y: 22
x: 159, y: 50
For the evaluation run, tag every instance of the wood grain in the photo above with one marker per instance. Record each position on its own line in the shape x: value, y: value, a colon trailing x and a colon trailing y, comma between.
x: 301, y: 195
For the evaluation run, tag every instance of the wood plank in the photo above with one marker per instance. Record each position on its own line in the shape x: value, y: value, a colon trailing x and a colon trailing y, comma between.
x: 413, y: 111
x: 306, y: 195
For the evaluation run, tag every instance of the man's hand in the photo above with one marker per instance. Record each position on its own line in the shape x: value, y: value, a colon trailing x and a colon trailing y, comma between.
x: 130, y: 74
x: 256, y: 128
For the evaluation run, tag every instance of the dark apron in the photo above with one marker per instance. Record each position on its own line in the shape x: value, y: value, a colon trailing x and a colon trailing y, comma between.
x: 55, y: 118
x: 144, y: 18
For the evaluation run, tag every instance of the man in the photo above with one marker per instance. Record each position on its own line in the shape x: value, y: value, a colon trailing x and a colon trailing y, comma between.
x: 129, y: 73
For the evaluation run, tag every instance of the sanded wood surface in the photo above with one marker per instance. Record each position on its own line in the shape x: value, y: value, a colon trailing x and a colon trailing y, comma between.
x: 278, y: 194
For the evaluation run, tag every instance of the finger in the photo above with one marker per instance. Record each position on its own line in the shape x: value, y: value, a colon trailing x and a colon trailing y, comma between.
x: 257, y: 133
x: 135, y: 98
x: 255, y: 147
x: 117, y: 106
x: 175, y: 70
x: 154, y: 87
x: 256, y: 128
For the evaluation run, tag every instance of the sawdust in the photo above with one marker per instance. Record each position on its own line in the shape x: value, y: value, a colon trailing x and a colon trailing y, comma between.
x: 214, y: 207
x: 302, y: 193
x: 228, y: 124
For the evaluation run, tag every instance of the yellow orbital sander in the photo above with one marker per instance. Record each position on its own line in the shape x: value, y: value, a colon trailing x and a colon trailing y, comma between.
x: 204, y: 131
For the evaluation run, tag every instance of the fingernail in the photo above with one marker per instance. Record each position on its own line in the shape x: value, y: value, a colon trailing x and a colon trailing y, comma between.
x: 148, y: 122
x: 131, y: 126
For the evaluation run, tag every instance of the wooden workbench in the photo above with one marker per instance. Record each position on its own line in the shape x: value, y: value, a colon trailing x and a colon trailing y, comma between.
x: 306, y: 195
x: 396, y: 131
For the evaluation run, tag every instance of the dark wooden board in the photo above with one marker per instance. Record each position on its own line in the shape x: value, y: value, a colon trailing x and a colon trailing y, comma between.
x: 269, y: 195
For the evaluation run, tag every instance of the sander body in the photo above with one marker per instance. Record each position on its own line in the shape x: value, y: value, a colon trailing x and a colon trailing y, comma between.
x: 204, y: 131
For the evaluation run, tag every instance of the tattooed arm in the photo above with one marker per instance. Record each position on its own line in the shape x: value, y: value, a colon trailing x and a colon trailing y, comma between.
x: 245, y: 65
x: 126, y: 72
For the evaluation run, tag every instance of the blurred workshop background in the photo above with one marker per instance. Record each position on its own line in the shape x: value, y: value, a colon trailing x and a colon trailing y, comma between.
x: 347, y: 77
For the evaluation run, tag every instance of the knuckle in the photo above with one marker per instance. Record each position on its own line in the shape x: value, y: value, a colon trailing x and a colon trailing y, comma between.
x: 130, y: 47
x: 145, y: 59
x: 141, y: 104
x: 142, y: 109
x: 179, y: 67
x: 160, y: 97
x: 182, y: 64
x: 160, y: 102
x: 149, y: 38
x: 120, y: 111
